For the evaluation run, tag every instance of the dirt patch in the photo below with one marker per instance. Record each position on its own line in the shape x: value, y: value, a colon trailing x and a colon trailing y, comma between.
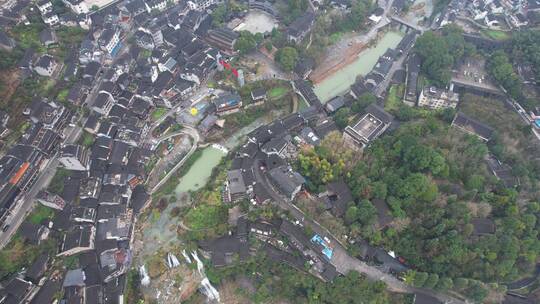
x: 10, y: 81
x: 341, y: 59
x: 230, y: 293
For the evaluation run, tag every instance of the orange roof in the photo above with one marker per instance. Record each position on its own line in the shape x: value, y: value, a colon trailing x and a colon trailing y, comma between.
x: 17, y: 177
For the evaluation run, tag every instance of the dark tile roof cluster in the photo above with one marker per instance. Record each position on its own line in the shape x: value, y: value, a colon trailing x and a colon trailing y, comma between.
x: 21, y: 164
x: 223, y: 38
x: 299, y: 250
x: 413, y: 70
x: 502, y: 171
x: 483, y: 226
x: 305, y: 89
x: 337, y: 197
x: 301, y: 26
x: 472, y: 126
x: 304, y: 66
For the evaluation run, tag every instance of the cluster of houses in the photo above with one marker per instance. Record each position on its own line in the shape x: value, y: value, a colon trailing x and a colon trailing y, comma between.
x: 22, y: 164
x: 260, y: 173
x: 493, y: 14
x: 501, y: 14
x: 94, y: 211
x: 102, y: 190
x: 52, y: 15
x: 282, y: 242
x: 269, y: 146
x: 382, y: 71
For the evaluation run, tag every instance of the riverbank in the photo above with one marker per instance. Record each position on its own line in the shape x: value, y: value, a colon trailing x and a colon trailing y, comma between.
x: 327, y: 69
x: 359, y: 65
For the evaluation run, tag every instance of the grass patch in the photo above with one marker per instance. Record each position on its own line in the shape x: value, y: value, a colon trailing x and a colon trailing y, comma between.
x: 40, y: 214
x: 18, y: 254
x: 57, y: 183
x: 393, y: 100
x: 158, y: 113
x: 496, y: 35
x: 87, y: 139
x: 206, y: 216
x: 277, y: 92
x: 27, y: 36
x: 62, y: 95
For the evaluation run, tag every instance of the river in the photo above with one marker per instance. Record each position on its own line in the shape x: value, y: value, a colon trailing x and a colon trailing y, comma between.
x: 340, y: 82
x: 200, y: 171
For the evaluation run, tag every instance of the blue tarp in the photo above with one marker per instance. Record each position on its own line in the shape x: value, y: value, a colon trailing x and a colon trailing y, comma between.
x: 327, y: 251
x: 116, y: 49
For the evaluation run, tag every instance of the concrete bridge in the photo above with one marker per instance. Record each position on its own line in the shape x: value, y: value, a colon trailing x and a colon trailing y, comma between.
x: 407, y: 24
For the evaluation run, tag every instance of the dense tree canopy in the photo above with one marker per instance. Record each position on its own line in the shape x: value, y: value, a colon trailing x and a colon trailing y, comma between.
x: 502, y: 70
x: 247, y: 42
x: 526, y: 48
x: 439, y: 52
x: 287, y: 58
x: 302, y: 288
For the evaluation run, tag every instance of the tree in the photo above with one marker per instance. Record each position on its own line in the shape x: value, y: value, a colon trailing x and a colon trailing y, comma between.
x: 287, y: 57
x: 245, y: 43
x: 318, y: 170
x: 440, y: 52
x: 420, y: 279
x: 366, y: 212
x: 342, y: 117
x: 461, y: 283
x: 501, y: 69
x: 358, y: 13
x: 475, y: 182
x: 432, y: 280
x: 351, y: 215
x: 363, y: 101
x: 268, y: 46
x: 422, y: 158
x: 477, y: 292
x: 219, y: 14
x: 9, y: 58
x: 444, y: 284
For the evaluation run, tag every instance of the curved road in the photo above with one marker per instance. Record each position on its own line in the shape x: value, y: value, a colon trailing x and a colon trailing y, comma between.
x: 196, y: 138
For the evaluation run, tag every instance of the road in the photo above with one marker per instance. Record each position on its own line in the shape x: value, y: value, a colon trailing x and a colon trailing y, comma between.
x: 196, y: 138
x: 341, y: 259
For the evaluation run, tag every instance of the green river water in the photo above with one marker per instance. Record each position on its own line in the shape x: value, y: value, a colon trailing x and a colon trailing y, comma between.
x: 340, y: 82
x: 201, y: 170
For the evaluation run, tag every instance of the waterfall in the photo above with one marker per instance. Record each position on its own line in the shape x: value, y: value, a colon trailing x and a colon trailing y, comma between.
x: 186, y: 256
x: 172, y: 260
x: 145, y: 279
x: 206, y: 287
